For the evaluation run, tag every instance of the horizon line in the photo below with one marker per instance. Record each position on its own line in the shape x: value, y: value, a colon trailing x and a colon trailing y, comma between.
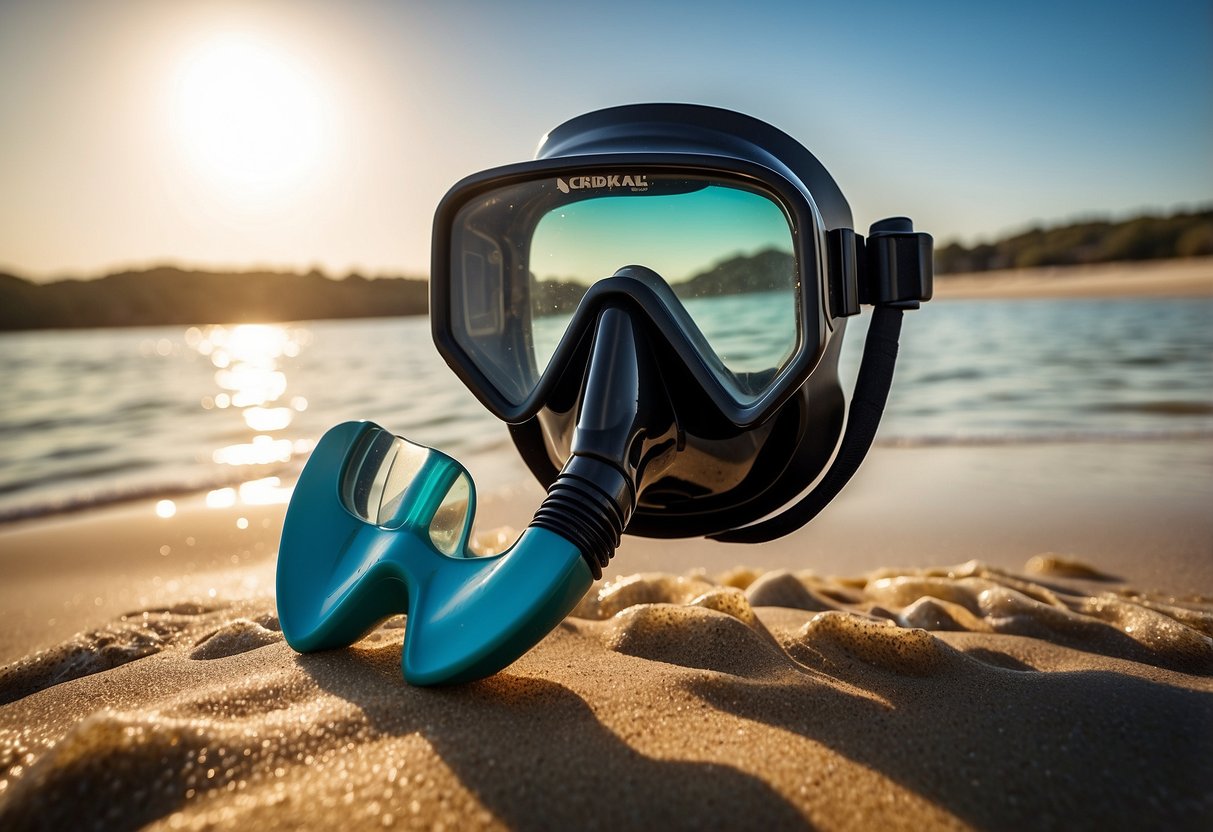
x: 148, y: 264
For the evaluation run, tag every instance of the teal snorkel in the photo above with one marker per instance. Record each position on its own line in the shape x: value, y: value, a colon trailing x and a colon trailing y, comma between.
x: 693, y: 394
x: 379, y: 525
x: 390, y: 535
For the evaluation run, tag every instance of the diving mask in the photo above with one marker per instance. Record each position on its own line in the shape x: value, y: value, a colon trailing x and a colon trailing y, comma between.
x: 655, y: 305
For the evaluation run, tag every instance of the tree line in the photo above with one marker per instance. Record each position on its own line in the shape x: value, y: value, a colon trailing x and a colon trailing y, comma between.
x: 1147, y: 237
x: 169, y: 295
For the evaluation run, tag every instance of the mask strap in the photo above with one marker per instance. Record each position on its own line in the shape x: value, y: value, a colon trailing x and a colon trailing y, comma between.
x: 867, y: 406
x: 892, y: 269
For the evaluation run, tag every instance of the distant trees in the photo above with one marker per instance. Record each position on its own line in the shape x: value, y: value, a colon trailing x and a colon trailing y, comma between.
x: 1187, y: 234
x: 168, y: 295
x: 764, y: 271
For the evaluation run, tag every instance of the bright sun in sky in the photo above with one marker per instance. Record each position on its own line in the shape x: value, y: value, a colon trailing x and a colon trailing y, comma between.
x: 249, y: 118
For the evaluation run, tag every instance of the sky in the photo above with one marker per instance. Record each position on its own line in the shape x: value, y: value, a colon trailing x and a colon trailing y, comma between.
x: 304, y: 134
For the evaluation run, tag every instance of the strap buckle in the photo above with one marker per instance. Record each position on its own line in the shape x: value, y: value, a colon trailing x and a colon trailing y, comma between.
x: 892, y: 267
x: 899, y: 264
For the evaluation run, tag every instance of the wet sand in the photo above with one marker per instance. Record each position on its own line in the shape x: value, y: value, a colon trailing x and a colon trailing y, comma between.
x: 1001, y: 637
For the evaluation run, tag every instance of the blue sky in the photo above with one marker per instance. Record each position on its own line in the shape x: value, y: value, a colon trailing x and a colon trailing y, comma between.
x: 975, y: 119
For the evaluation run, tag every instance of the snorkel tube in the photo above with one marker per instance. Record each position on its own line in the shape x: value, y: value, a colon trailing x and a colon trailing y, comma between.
x: 389, y: 533
x: 634, y: 419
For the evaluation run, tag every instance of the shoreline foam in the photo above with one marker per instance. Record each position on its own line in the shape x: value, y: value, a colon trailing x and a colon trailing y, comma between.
x: 284, y: 477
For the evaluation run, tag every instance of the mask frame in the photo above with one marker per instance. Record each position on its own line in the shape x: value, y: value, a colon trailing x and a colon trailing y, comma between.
x: 816, y: 325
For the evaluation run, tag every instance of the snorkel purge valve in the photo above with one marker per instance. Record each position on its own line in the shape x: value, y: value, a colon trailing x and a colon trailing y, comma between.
x: 655, y: 306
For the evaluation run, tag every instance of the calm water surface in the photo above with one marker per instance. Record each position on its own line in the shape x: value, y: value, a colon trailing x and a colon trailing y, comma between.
x: 96, y: 416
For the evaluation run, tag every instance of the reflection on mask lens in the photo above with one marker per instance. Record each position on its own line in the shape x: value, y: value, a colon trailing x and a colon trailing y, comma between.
x: 726, y: 251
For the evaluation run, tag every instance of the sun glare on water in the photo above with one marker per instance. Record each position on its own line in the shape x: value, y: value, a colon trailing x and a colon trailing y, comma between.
x: 247, y: 360
x: 249, y: 116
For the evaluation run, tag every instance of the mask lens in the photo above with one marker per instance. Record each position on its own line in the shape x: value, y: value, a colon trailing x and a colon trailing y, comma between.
x: 724, y: 247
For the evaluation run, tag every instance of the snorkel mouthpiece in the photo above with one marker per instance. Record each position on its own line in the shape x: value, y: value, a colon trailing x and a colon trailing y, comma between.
x: 379, y: 526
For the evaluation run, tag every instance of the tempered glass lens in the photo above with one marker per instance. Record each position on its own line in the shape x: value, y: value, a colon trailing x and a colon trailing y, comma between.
x: 726, y: 249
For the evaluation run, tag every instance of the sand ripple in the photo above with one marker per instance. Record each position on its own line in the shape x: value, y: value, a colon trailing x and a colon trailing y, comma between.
x: 945, y: 697
x: 211, y: 630
x: 1160, y: 631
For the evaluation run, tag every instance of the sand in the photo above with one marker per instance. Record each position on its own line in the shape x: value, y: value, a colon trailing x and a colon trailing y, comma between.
x: 1058, y: 673
x: 1000, y: 637
x: 1160, y: 278
x: 661, y: 702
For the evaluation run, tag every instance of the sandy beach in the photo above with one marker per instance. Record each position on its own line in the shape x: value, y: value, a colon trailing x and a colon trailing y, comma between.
x: 1023, y: 639
x: 1161, y: 278
x: 972, y: 636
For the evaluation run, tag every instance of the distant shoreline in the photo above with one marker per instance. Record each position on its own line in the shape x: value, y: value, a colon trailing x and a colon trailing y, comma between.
x: 170, y: 296
x: 146, y: 299
x: 1189, y: 277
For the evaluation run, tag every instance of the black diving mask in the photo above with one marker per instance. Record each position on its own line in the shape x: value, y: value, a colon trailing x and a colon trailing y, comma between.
x: 709, y: 255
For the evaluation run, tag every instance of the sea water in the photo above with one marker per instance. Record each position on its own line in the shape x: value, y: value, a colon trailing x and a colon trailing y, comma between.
x: 95, y: 416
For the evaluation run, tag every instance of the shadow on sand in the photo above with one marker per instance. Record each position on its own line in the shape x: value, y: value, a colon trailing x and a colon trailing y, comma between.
x: 1081, y: 749
x: 535, y: 755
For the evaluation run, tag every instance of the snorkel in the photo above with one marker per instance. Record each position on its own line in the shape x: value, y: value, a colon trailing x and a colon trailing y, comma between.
x: 390, y: 535
x: 657, y: 379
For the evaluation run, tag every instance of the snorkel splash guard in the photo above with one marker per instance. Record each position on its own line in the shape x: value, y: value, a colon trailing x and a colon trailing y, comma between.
x: 655, y: 306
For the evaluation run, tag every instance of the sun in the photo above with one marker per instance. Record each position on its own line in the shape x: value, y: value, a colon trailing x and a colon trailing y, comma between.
x: 249, y: 116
